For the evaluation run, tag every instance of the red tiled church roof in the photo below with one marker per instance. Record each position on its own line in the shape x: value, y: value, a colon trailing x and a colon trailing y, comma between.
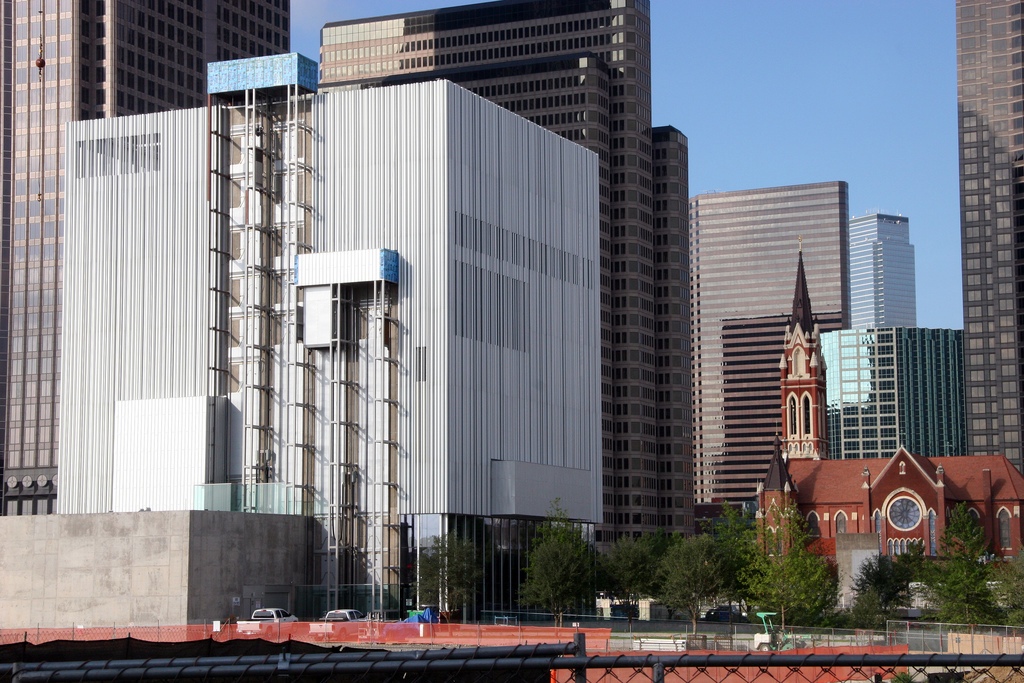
x: 839, y: 481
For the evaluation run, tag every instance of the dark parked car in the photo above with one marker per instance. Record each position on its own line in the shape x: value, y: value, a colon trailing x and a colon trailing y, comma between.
x: 726, y: 613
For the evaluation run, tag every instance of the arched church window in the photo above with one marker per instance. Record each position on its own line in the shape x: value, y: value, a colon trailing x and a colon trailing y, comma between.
x: 807, y: 414
x: 931, y: 533
x: 840, y: 522
x: 1004, y: 529
x: 812, y: 524
x: 878, y: 528
x: 792, y: 416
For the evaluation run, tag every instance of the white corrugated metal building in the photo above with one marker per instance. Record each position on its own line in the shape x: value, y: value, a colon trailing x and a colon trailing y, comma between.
x: 365, y: 307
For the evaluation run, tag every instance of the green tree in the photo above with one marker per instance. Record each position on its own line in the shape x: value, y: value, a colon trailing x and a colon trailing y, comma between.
x: 560, y: 566
x: 449, y: 571
x: 786, y: 577
x: 628, y: 568
x: 1010, y: 589
x: 867, y: 610
x: 736, y: 539
x: 889, y: 579
x: 958, y: 580
x: 691, y: 574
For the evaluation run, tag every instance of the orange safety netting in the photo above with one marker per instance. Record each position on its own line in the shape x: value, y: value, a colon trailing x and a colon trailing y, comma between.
x: 324, y: 633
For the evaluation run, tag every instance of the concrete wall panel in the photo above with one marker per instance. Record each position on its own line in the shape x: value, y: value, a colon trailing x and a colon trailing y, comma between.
x: 143, y: 568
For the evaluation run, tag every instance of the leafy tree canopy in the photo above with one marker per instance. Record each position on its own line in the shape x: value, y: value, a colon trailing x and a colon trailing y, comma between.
x: 735, y: 536
x: 958, y: 580
x: 785, y: 577
x: 629, y: 566
x: 449, y: 571
x: 560, y: 567
x: 1010, y: 589
x: 691, y: 574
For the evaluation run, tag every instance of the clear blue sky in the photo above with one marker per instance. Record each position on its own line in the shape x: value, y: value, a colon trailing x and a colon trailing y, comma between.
x: 799, y: 91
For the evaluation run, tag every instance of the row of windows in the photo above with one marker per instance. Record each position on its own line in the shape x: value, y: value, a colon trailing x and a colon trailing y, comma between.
x: 431, y: 23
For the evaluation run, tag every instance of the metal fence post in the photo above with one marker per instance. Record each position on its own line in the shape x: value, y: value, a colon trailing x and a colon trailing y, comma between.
x: 658, y: 673
x: 580, y: 640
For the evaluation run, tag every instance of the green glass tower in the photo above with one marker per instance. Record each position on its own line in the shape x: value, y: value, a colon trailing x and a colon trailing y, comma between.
x: 895, y: 386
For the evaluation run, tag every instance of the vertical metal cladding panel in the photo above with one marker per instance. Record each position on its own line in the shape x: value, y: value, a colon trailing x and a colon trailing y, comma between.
x: 524, y: 358
x: 495, y: 221
x: 135, y: 276
x: 382, y: 183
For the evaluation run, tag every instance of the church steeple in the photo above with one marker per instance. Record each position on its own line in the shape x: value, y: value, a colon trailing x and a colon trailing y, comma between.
x: 802, y: 378
x: 801, y: 299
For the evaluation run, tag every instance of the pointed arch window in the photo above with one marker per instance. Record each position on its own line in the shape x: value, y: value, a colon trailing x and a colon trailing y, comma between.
x: 792, y: 416
x: 931, y: 533
x: 813, y: 528
x: 878, y: 528
x: 840, y: 522
x: 807, y: 415
x: 1004, y: 529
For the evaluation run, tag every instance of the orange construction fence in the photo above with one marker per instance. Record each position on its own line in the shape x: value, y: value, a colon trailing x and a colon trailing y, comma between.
x: 325, y: 633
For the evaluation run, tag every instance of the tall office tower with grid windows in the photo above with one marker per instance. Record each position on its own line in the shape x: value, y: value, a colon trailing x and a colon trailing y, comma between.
x: 67, y: 60
x: 882, y: 288
x: 894, y: 387
x: 989, y: 38
x: 582, y: 69
x: 741, y: 307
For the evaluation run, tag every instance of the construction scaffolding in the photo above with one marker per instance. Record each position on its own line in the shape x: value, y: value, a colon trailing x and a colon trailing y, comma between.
x: 314, y: 426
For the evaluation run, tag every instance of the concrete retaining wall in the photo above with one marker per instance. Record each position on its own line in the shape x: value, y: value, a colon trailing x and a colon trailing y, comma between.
x: 142, y: 568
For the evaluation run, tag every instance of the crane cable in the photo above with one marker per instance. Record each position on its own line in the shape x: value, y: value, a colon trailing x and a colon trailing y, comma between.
x: 41, y: 65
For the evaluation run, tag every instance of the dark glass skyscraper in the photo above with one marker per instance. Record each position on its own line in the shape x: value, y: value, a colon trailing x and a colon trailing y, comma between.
x: 582, y: 69
x: 66, y: 60
x: 990, y: 93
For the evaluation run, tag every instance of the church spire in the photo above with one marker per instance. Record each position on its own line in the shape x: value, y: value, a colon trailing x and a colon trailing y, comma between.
x: 802, y: 375
x: 777, y: 478
x: 801, y: 299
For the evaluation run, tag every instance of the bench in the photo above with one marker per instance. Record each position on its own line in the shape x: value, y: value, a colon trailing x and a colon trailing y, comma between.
x: 674, y: 643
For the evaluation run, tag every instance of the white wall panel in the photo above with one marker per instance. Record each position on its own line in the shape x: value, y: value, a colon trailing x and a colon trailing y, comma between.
x: 162, y: 449
x: 338, y: 267
x: 135, y: 283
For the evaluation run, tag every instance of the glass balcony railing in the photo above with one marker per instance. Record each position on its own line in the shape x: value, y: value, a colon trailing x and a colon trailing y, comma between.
x: 276, y: 499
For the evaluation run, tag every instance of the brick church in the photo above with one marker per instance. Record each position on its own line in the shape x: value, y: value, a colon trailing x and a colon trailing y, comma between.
x: 900, y: 500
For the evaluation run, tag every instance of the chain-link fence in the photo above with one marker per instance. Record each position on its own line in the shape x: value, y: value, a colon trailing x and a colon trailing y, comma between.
x: 923, y: 636
x: 554, y: 663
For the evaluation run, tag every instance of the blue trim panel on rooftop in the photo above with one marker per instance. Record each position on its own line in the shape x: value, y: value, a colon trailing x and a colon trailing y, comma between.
x: 262, y: 72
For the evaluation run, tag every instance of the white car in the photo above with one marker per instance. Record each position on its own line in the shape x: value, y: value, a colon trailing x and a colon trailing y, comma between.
x: 273, y: 615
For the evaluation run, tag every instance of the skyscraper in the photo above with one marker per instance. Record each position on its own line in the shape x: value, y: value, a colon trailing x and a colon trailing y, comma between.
x: 989, y: 36
x: 744, y: 247
x: 892, y: 387
x: 581, y: 68
x: 882, y: 288
x: 63, y: 61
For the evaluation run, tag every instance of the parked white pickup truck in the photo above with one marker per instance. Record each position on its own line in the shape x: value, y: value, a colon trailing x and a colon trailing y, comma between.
x: 344, y: 615
x: 273, y: 615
